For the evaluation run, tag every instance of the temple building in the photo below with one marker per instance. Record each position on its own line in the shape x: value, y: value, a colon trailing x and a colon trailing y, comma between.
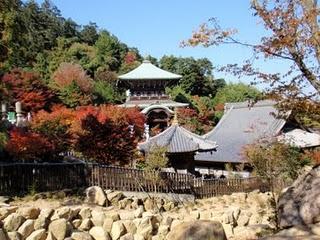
x: 182, y: 145
x: 146, y: 89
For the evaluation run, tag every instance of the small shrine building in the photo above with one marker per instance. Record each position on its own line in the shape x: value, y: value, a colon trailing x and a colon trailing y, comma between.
x: 182, y: 145
x: 146, y: 89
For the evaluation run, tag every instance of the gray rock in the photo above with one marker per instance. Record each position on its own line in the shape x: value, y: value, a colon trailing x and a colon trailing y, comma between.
x: 86, y: 224
x: 96, y: 195
x: 13, y: 222
x: 14, y: 236
x: 29, y: 212
x: 59, y: 228
x: 198, y: 230
x: 3, y: 235
x: 76, y: 223
x: 107, y: 224
x: 99, y: 234
x: 6, y: 211
x: 39, y: 234
x: 81, y: 236
x: 114, y: 197
x: 26, y: 228
x: 139, y: 211
x: 98, y: 217
x: 85, y: 213
x: 300, y: 203
x: 128, y: 236
x: 117, y: 230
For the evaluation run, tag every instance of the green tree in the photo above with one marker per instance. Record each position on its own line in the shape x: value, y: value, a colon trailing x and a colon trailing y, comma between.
x: 12, y: 31
x: 236, y: 92
x: 105, y: 92
x: 156, y: 159
x: 108, y: 51
x: 197, y: 76
x: 89, y: 33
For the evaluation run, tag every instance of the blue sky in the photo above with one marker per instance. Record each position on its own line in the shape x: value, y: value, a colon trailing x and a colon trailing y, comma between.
x: 157, y: 27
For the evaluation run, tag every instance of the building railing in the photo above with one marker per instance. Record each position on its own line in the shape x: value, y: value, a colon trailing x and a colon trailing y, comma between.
x: 20, y: 178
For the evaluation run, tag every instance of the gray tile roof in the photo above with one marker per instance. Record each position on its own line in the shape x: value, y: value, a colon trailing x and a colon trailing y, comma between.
x: 241, y: 125
x: 178, y: 140
x: 148, y: 71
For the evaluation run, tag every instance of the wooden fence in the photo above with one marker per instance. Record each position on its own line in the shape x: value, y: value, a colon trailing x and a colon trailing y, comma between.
x: 21, y: 178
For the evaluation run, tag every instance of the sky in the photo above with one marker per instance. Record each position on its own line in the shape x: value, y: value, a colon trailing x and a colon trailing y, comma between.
x: 156, y: 27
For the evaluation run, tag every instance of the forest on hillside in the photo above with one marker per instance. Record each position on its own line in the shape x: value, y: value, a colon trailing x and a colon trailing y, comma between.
x: 65, y: 75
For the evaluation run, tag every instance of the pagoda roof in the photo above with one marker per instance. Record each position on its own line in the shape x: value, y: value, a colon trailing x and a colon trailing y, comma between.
x: 178, y: 140
x: 148, y: 71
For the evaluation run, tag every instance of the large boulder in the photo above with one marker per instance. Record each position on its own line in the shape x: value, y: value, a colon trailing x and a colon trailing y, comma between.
x: 300, y: 203
x: 39, y: 234
x: 29, y: 212
x: 198, y: 230
x: 13, y: 222
x: 26, y: 228
x: 96, y: 195
x: 6, y: 211
x: 59, y: 228
x: 98, y: 233
x: 114, y: 197
x: 81, y: 236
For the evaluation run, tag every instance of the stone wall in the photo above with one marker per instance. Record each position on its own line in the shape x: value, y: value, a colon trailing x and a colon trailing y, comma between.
x: 111, y: 215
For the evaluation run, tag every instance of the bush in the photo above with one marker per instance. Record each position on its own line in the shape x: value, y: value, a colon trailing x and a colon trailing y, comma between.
x: 28, y: 146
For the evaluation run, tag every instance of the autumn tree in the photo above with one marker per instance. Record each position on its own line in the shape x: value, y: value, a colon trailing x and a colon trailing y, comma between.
x: 56, y: 126
x: 104, y: 141
x: 27, y: 146
x: 292, y: 36
x: 73, y: 84
x: 29, y: 89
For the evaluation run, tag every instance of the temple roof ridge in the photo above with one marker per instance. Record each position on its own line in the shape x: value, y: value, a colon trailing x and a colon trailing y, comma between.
x: 178, y: 140
x: 147, y: 70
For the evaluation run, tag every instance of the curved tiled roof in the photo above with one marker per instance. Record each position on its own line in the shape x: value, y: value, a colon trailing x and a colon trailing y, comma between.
x: 148, y: 71
x: 241, y: 125
x: 178, y: 140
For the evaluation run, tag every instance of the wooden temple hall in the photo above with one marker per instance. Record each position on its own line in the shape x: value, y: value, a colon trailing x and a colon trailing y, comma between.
x: 146, y: 90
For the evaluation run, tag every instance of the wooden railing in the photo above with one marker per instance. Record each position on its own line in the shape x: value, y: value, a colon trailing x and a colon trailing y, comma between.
x: 214, y: 187
x: 21, y: 178
x: 126, y: 179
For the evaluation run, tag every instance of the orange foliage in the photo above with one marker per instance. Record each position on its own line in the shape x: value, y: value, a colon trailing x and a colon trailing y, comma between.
x: 68, y: 73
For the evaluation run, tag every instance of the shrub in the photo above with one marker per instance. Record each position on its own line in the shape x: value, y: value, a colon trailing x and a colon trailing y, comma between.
x: 28, y: 146
x: 275, y: 162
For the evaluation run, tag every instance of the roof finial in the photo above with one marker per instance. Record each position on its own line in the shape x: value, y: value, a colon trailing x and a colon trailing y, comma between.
x: 175, y: 118
x: 146, y: 58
